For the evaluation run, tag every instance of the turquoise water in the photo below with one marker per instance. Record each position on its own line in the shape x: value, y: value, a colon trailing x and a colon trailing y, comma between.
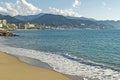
x: 100, y: 47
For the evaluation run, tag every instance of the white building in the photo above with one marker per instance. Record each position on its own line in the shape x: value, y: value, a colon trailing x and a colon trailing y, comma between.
x: 29, y: 26
x: 4, y: 22
x: 1, y: 25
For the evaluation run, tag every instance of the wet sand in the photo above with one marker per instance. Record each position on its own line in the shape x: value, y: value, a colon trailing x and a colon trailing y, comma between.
x: 38, y: 63
x: 11, y: 68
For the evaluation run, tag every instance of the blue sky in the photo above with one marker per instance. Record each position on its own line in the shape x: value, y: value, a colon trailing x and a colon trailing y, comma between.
x: 98, y: 9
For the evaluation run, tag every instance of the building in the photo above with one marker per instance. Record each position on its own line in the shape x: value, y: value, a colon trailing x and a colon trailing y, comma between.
x: 29, y: 26
x: 7, y: 26
x: 4, y: 22
x: 1, y: 25
x: 11, y: 26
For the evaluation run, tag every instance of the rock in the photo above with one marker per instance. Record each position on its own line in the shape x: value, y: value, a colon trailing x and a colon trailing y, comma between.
x: 6, y: 33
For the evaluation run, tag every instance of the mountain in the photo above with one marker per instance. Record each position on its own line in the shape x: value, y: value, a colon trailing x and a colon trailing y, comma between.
x: 10, y: 19
x: 52, y: 20
x: 65, y: 22
x: 29, y: 17
x: 116, y: 24
x: 68, y: 21
x: 80, y: 18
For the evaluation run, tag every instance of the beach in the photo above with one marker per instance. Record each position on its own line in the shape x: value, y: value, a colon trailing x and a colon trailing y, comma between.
x: 73, y: 57
x: 11, y: 68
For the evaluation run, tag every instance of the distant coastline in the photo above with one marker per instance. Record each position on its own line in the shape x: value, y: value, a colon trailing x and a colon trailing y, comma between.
x: 52, y: 21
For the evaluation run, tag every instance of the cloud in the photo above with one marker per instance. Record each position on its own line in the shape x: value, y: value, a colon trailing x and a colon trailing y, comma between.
x: 65, y: 12
x: 26, y: 8
x: 109, y: 9
x: 76, y: 3
x: 9, y: 9
x: 105, y: 6
x: 2, y: 9
x: 21, y: 7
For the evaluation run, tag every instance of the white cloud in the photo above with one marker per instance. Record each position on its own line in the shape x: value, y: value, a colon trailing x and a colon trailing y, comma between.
x: 65, y: 12
x: 76, y: 3
x: 21, y: 7
x: 2, y: 9
x: 104, y: 4
x: 9, y: 9
x: 109, y: 9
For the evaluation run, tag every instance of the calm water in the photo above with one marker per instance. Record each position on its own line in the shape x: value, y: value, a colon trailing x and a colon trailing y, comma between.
x: 99, y: 46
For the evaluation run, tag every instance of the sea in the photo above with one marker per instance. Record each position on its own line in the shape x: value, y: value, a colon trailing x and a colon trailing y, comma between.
x: 90, y: 53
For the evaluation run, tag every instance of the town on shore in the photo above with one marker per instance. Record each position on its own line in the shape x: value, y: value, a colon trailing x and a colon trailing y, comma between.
x: 4, y: 25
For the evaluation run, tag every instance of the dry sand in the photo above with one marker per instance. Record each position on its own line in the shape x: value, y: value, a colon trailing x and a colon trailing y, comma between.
x: 13, y: 69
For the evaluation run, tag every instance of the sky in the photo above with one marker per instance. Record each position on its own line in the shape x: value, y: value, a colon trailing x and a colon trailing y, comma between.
x: 97, y: 9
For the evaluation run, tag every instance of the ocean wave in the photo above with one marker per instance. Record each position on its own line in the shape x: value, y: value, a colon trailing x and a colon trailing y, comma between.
x: 65, y: 63
x: 88, y: 62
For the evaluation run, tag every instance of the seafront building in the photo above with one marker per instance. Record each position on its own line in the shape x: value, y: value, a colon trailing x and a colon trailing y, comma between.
x: 6, y: 26
x: 29, y: 26
x: 3, y: 23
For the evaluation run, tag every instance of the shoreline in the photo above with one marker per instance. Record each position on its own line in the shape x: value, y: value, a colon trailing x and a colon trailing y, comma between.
x: 19, y: 52
x: 14, y: 69
x: 40, y: 64
x: 71, y: 77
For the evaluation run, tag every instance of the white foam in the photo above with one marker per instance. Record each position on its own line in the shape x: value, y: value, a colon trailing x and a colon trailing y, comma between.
x: 64, y: 65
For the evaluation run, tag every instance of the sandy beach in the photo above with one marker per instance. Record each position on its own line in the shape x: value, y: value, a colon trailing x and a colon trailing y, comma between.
x: 12, y: 68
